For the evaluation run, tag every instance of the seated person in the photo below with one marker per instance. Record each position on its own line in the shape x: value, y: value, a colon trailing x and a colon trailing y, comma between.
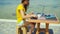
x: 20, y: 12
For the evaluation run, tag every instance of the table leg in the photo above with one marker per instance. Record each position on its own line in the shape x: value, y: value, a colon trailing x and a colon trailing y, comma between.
x: 38, y: 28
x: 47, y: 27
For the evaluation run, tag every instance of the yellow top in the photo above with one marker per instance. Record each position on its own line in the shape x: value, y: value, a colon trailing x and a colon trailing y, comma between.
x: 19, y: 17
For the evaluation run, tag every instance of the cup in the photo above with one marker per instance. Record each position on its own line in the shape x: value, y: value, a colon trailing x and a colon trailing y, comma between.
x: 39, y: 15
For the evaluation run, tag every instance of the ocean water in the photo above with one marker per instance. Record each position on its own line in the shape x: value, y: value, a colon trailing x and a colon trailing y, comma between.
x: 8, y: 7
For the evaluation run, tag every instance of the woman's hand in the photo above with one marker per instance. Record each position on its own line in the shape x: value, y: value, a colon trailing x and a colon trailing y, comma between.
x: 32, y: 15
x: 31, y: 12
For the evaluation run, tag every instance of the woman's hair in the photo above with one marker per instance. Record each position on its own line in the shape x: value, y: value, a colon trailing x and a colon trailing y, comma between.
x: 25, y: 6
x: 24, y: 0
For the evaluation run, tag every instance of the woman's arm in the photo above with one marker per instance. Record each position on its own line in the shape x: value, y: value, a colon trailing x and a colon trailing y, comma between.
x: 26, y: 16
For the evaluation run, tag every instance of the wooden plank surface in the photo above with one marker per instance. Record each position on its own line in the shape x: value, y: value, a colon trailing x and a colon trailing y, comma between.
x: 43, y: 21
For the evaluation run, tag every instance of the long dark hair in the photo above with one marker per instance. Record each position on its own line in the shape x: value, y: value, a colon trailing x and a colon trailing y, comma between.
x: 25, y: 6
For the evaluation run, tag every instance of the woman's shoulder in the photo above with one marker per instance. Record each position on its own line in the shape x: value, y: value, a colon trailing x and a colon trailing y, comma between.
x: 20, y: 6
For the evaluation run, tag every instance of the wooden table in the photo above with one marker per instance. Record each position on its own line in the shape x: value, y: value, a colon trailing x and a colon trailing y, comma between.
x: 43, y: 21
x: 38, y: 21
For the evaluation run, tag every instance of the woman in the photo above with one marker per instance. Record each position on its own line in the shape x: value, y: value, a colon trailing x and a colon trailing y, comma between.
x: 21, y: 9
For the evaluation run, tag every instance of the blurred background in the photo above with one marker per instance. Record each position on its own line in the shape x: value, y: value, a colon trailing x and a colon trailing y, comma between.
x: 8, y: 7
x: 8, y: 11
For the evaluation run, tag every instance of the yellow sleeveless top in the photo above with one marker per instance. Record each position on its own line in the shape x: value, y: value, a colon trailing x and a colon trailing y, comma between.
x: 18, y: 14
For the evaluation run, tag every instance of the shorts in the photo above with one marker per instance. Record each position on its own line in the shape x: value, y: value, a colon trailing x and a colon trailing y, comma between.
x: 21, y: 23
